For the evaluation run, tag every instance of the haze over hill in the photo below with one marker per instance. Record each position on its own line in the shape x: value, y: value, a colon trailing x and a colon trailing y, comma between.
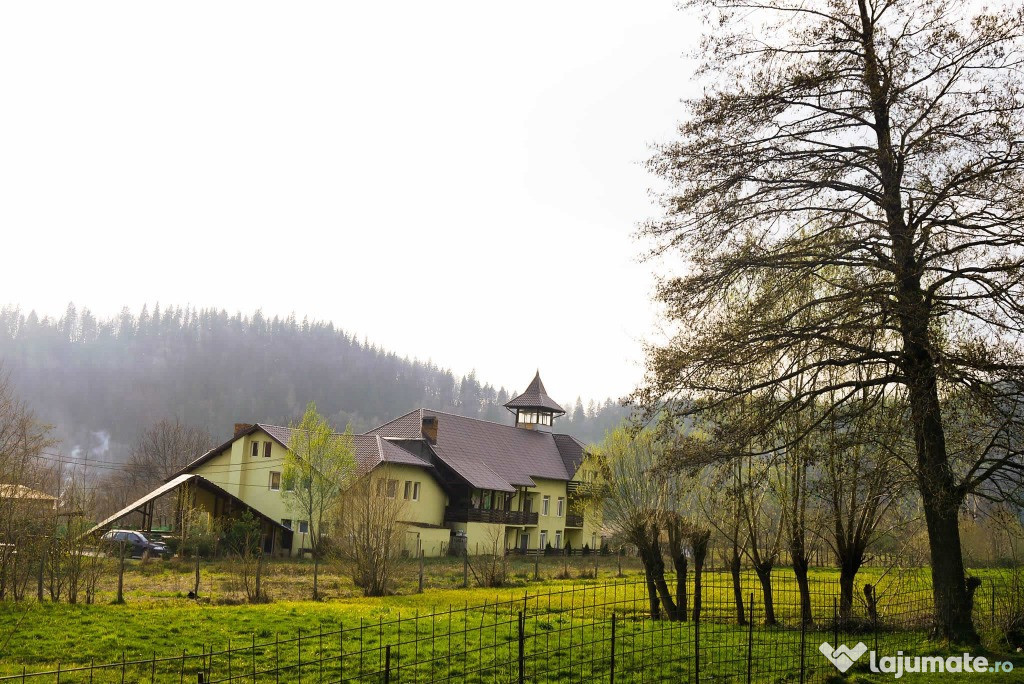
x: 101, y: 382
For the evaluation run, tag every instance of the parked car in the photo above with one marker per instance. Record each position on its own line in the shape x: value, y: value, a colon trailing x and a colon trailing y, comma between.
x: 136, y: 542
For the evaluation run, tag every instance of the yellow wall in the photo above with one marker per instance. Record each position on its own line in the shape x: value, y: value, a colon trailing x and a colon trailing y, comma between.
x: 248, y: 478
x: 432, y: 499
x: 433, y: 541
x: 551, y: 522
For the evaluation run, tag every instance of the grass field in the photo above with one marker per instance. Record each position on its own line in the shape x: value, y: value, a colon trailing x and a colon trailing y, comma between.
x: 567, y: 626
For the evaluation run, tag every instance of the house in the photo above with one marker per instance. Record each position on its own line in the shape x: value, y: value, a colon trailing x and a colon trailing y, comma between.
x: 479, y: 485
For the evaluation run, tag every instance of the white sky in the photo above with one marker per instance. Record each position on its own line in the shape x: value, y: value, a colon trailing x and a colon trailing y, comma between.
x: 458, y: 181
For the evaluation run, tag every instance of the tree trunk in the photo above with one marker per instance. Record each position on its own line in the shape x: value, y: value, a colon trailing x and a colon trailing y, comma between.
x: 259, y: 576
x: 316, y: 576
x: 652, y: 595
x: 764, y: 576
x: 737, y: 586
x: 800, y: 567
x: 939, y: 493
x: 654, y: 566
x: 681, y: 567
x: 195, y: 587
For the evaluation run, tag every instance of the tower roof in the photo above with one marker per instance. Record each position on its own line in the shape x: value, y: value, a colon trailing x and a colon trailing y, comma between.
x: 535, y: 396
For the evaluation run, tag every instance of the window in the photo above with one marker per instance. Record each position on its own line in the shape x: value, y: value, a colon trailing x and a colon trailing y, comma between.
x: 275, y: 481
x: 303, y: 527
x: 560, y: 507
x: 545, y: 505
x: 388, y: 488
x: 287, y: 522
x: 255, y: 449
x: 558, y: 539
x: 415, y: 491
x: 543, y: 540
x: 267, y: 446
x: 408, y: 490
x: 593, y: 541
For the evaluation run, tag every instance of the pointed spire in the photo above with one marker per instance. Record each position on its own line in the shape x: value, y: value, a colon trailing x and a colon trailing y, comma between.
x: 536, y: 397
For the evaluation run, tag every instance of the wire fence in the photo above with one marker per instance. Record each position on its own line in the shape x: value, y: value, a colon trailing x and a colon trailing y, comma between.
x: 725, y: 631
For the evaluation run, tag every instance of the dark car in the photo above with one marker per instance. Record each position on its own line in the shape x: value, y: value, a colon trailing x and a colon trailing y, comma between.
x: 135, y: 542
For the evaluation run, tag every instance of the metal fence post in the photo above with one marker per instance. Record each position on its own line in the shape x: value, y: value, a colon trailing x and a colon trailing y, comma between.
x: 803, y: 640
x: 465, y: 568
x: 611, y: 674
x: 201, y: 679
x: 254, y: 657
x: 387, y: 664
x: 750, y: 641
x: 696, y: 649
x: 835, y: 623
x: 522, y: 648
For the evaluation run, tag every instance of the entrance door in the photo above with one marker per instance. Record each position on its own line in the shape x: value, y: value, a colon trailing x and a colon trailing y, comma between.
x: 524, y: 542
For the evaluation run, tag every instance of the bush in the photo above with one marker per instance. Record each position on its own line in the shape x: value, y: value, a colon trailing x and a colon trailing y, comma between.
x: 549, y: 550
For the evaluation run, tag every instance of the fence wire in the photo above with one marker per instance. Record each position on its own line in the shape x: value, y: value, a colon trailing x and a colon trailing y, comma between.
x: 596, y: 633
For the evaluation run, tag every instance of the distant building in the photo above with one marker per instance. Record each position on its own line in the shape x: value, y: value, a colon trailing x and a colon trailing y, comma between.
x: 462, y: 481
x: 26, y: 498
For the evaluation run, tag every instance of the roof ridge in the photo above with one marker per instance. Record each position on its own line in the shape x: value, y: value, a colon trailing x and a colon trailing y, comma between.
x: 389, y: 422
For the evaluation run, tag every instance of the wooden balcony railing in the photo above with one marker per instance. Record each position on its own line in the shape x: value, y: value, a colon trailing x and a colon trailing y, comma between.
x: 574, y: 520
x: 453, y: 514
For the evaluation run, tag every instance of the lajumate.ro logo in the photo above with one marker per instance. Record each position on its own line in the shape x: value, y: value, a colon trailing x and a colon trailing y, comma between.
x: 843, y: 657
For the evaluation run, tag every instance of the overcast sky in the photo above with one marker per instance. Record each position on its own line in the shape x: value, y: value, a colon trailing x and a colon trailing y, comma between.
x: 456, y: 181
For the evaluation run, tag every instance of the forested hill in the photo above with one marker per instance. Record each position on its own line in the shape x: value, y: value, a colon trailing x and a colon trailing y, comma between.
x: 102, y: 382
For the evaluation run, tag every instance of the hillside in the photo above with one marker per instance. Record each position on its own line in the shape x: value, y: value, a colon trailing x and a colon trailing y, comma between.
x: 101, y: 382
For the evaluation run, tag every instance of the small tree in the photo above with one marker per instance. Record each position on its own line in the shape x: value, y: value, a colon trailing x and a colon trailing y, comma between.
x: 318, y: 467
x: 199, y: 535
x: 243, y: 540
x: 370, y: 533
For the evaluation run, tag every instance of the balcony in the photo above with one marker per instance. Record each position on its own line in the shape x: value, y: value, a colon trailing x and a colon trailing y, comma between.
x: 464, y: 514
x: 574, y: 520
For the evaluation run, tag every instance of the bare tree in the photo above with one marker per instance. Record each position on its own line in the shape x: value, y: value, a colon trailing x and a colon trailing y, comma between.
x: 160, y: 452
x: 871, y: 147
x: 243, y: 540
x: 368, y: 532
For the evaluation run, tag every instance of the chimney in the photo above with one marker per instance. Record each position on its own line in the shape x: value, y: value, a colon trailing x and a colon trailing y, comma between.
x: 430, y: 429
x: 241, y: 427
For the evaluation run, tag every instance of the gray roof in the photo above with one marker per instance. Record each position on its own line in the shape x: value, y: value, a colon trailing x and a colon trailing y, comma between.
x: 535, y: 396
x: 490, y: 455
x: 371, y: 450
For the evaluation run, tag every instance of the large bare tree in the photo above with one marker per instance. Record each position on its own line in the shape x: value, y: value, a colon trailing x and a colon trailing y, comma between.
x: 873, y: 148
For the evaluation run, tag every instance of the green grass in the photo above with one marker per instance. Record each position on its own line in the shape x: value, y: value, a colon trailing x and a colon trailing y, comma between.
x: 567, y: 627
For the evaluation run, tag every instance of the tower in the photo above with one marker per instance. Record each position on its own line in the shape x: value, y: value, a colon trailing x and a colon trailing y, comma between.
x: 534, y: 409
